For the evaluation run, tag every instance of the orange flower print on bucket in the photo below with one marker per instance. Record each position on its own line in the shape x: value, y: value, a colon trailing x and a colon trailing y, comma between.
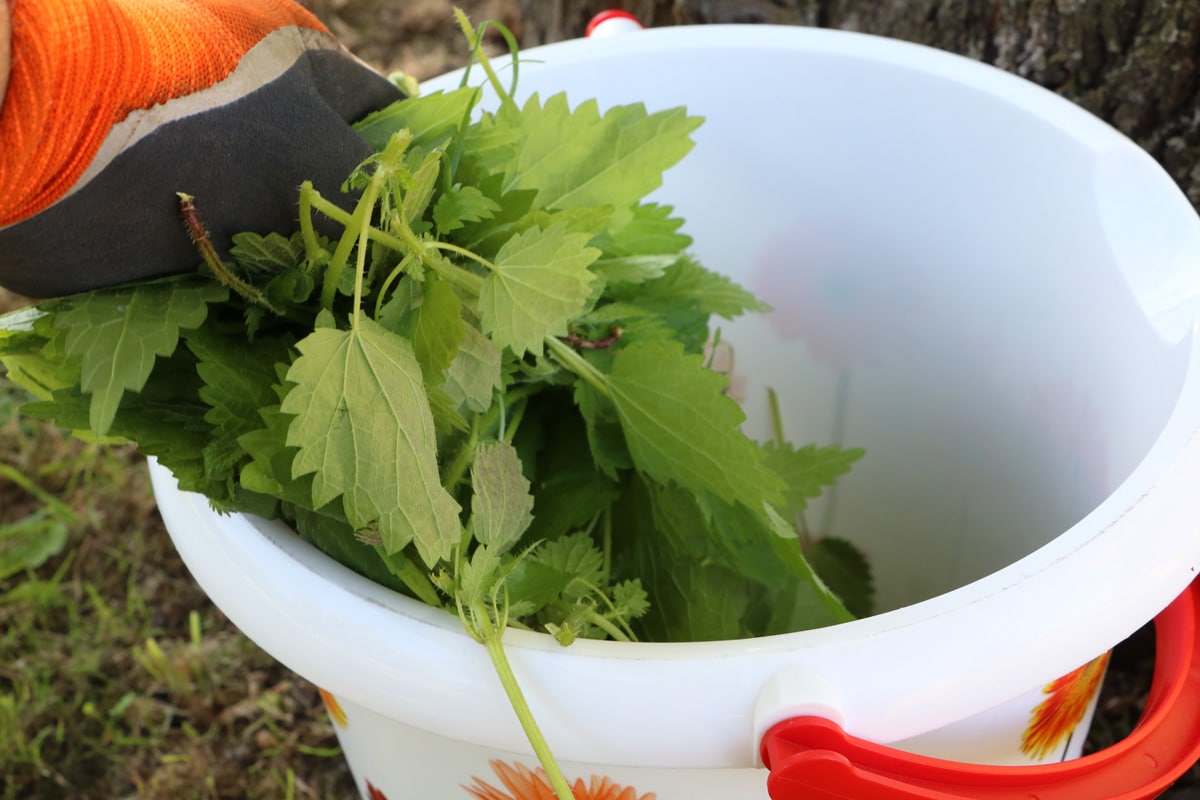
x: 336, y: 712
x: 374, y: 794
x: 522, y: 783
x: 1061, y: 712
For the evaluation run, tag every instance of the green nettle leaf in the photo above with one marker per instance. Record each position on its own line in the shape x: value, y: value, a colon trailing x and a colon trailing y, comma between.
x: 431, y: 118
x: 682, y: 321
x: 808, y: 470
x: 462, y: 204
x: 632, y: 269
x: 649, y: 230
x: 608, y: 314
x: 577, y: 559
x: 15, y: 324
x: 812, y: 603
x: 610, y: 450
x: 290, y: 287
x: 569, y: 486
x: 580, y: 158
x: 118, y: 333
x: 560, y: 571
x: 696, y: 602
x: 487, y: 145
x: 685, y: 526
x: 364, y: 429
x: 681, y: 428
x: 501, y: 507
x: 270, y: 253
x: 398, y: 313
x: 758, y: 545
x: 474, y: 377
x: 27, y: 354
x: 37, y: 375
x: 234, y: 387
x: 479, y: 575
x: 488, y: 236
x: 709, y: 531
x: 164, y: 418
x: 336, y: 538
x: 712, y: 292
x: 540, y: 282
x: 590, y: 220
x: 270, y: 468
x: 846, y: 571
x: 415, y: 199
x: 438, y: 327
x: 447, y: 416
x: 630, y: 599
x: 634, y: 323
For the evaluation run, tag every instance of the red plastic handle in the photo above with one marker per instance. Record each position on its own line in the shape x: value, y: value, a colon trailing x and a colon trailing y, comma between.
x: 811, y: 758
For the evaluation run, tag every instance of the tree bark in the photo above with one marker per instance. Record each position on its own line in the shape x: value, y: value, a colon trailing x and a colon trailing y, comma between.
x: 1133, y: 63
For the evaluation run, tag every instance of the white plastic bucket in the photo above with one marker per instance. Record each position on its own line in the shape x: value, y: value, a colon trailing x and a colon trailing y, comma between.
x: 987, y: 288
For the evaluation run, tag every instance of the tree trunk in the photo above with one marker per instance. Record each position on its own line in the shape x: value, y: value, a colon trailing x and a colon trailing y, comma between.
x: 1134, y: 63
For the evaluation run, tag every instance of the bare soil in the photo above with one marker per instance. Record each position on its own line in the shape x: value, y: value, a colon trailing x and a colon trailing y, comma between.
x: 418, y: 37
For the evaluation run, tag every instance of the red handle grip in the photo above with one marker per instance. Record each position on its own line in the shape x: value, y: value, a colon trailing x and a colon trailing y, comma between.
x: 811, y: 758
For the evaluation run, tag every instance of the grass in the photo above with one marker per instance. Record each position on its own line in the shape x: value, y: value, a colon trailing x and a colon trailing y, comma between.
x: 118, y: 679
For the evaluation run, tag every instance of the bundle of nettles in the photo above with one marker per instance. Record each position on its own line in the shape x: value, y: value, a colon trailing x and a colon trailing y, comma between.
x: 492, y: 390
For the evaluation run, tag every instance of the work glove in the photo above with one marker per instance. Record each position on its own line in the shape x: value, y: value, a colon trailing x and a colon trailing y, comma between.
x: 114, y: 106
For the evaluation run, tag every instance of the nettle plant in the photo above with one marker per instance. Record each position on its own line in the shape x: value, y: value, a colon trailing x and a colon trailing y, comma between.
x: 493, y: 391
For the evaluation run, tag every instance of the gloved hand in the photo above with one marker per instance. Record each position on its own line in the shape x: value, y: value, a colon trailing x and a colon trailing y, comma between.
x: 114, y: 106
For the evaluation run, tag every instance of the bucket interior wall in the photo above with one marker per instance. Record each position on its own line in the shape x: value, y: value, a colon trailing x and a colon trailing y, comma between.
x: 945, y: 294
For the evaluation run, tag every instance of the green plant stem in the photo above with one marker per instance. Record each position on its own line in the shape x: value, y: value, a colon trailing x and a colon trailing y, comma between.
x: 360, y: 266
x: 478, y: 55
x: 463, y: 458
x: 462, y: 278
x: 208, y: 253
x: 602, y: 622
x: 462, y: 251
x: 776, y: 418
x: 481, y: 423
x: 404, y: 265
x: 607, y: 626
x: 410, y: 243
x: 606, y: 539
x: 340, y: 215
x: 361, y: 218
x: 495, y: 649
x: 341, y: 253
x: 577, y: 364
x: 415, y: 578
x: 780, y: 440
x: 510, y: 428
x: 308, y: 234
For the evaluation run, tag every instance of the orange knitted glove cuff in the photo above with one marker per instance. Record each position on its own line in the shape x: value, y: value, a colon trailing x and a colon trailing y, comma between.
x: 4, y: 51
x: 81, y: 66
